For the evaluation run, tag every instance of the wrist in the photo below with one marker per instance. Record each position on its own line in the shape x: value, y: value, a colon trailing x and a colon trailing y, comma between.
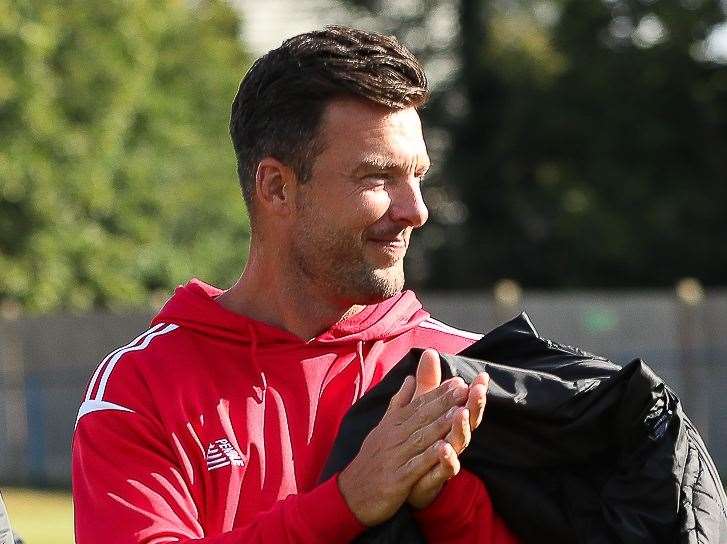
x: 348, y: 492
x: 450, y: 504
x: 329, y: 513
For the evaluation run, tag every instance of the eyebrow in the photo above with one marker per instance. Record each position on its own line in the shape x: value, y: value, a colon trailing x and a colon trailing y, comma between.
x: 382, y: 164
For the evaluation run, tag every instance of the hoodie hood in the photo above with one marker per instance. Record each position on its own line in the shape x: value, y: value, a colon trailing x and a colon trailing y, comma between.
x: 193, y: 306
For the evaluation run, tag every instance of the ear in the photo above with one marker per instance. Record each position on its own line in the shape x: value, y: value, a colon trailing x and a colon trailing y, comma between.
x: 275, y: 187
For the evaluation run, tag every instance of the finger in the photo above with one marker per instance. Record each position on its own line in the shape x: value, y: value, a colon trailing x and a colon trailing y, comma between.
x: 417, y: 466
x: 404, y: 395
x: 482, y: 378
x: 428, y: 407
x: 428, y: 486
x: 429, y: 372
x: 448, y: 466
x: 477, y: 399
x: 422, y: 438
x: 459, y: 435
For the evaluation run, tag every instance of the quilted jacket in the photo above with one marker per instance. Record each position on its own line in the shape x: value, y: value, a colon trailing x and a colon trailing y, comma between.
x: 573, y: 448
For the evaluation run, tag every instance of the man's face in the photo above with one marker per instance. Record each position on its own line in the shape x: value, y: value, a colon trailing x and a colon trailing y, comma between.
x: 354, y: 217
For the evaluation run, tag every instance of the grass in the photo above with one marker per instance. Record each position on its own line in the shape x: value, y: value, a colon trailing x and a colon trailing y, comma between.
x: 40, y: 517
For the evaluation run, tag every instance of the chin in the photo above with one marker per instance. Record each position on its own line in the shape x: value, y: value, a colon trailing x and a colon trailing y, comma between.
x: 383, y: 284
x: 366, y: 284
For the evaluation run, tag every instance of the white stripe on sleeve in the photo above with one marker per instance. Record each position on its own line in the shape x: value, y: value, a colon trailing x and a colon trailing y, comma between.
x: 119, y: 354
x: 100, y: 366
x: 97, y: 405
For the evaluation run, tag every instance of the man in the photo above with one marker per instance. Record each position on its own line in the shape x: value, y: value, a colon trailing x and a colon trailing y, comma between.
x: 215, y: 423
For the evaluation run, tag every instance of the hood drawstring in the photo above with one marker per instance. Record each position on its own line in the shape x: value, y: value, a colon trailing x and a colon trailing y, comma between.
x: 361, y: 372
x: 260, y: 389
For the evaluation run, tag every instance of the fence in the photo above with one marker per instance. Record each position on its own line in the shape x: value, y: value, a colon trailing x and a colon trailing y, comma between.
x: 45, y: 362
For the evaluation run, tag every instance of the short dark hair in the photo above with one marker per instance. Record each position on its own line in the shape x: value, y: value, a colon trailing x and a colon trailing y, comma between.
x: 280, y: 102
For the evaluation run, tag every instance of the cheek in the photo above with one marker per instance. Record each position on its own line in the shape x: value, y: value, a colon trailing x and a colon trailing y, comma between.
x: 373, y: 205
x: 353, y: 211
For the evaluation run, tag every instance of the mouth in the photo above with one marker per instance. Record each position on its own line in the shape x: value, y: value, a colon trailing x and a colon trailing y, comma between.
x: 390, y: 242
x: 394, y: 248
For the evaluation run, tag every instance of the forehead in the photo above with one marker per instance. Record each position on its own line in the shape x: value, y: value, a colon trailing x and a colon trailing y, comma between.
x: 354, y: 130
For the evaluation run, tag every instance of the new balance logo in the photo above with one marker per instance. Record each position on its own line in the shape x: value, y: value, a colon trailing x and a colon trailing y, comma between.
x: 221, y: 453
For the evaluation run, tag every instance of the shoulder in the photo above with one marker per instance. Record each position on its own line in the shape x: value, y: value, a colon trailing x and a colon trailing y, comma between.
x: 433, y: 333
x: 119, y: 381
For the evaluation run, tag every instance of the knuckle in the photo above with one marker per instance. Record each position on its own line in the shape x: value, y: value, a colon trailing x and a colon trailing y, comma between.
x: 444, y: 423
x: 406, y: 469
x: 454, y: 396
x: 445, y: 401
x: 431, y: 480
x: 459, y: 382
x: 422, y: 419
x: 417, y: 438
x: 412, y: 409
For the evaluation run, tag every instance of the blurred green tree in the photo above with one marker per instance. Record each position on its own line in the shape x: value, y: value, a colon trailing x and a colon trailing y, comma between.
x: 586, y: 142
x: 117, y: 179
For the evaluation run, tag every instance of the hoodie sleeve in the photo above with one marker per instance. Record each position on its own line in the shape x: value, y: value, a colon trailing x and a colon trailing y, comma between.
x: 128, y: 487
x: 463, y: 513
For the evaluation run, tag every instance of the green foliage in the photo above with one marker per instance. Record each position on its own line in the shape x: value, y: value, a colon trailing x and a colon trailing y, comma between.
x: 599, y: 160
x: 117, y: 178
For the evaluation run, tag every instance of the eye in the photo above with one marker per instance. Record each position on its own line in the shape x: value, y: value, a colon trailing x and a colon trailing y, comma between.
x: 377, y: 180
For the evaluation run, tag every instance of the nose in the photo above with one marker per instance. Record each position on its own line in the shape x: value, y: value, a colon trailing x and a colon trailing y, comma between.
x: 407, y: 204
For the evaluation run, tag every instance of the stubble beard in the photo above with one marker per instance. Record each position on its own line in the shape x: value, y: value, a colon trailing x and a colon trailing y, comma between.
x: 338, y: 265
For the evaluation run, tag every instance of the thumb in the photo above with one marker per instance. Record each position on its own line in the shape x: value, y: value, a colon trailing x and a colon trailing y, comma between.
x: 429, y: 372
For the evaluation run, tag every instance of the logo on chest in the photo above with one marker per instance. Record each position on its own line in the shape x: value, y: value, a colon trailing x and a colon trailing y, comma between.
x: 221, y: 453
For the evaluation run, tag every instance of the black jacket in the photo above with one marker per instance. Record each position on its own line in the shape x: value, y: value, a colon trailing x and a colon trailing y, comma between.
x: 572, y: 448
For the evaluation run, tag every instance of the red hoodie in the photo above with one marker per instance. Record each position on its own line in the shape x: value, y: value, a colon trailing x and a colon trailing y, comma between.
x: 214, y: 426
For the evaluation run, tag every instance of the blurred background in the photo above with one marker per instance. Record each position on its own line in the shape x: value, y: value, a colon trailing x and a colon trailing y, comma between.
x: 580, y: 173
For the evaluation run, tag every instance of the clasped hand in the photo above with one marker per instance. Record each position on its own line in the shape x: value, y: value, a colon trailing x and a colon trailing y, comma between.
x: 415, y: 447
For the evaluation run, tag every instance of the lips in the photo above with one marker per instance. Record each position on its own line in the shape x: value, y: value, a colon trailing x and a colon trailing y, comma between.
x: 393, y: 237
x: 392, y: 242
x: 391, y: 249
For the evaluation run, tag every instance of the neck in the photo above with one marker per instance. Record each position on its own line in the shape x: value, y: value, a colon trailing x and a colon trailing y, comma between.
x: 267, y: 292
